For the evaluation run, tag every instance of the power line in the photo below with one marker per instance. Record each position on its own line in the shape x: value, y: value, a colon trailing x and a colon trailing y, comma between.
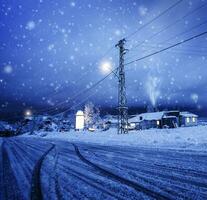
x: 182, y: 51
x: 170, y: 25
x: 53, y: 93
x: 177, y: 52
x: 169, y: 47
x: 155, y: 18
x: 84, y: 91
x: 112, y: 72
x: 174, y: 45
x: 55, y: 107
x: 97, y: 83
x: 165, y: 11
x: 78, y: 104
x: 184, y: 32
x: 86, y: 72
x: 75, y: 95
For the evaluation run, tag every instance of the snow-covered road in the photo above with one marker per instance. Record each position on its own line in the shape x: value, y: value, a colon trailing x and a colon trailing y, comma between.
x: 35, y: 168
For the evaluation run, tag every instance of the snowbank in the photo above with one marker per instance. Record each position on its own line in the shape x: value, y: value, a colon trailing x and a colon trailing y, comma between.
x: 185, y: 137
x: 5, y: 126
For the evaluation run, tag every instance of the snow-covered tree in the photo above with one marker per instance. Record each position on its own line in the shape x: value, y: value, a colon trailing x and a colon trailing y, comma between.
x: 91, y: 114
x: 97, y: 114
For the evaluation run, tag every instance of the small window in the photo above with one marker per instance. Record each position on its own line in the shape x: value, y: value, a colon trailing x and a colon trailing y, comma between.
x: 140, y: 117
x: 194, y: 119
x: 188, y: 120
x: 158, y: 122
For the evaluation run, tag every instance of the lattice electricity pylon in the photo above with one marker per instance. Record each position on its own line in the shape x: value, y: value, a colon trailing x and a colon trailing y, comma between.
x: 122, y: 100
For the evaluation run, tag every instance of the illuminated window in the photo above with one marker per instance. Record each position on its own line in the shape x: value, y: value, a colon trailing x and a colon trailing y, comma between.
x: 188, y: 119
x: 194, y: 119
x: 158, y: 122
x: 133, y: 124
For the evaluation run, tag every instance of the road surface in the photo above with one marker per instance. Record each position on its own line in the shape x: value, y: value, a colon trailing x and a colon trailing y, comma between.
x: 35, y: 168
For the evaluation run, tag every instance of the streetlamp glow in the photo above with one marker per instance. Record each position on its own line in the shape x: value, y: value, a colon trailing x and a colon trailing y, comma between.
x: 28, y: 113
x: 105, y: 67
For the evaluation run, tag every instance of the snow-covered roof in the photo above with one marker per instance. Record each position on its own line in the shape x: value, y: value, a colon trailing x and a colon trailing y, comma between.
x: 147, y: 116
x: 113, y: 120
x: 169, y: 117
x: 80, y: 112
x: 188, y: 114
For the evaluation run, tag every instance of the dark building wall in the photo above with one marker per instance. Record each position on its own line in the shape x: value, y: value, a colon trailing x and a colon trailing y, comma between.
x: 145, y: 124
x: 184, y: 122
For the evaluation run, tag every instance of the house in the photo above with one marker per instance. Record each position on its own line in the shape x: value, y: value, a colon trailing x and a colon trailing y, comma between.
x: 164, y: 119
x: 147, y: 120
x: 188, y: 119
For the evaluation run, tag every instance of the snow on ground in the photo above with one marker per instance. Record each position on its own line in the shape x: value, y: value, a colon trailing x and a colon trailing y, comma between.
x: 184, y: 137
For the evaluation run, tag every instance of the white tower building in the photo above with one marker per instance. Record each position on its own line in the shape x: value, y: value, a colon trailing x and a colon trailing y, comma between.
x: 79, y: 122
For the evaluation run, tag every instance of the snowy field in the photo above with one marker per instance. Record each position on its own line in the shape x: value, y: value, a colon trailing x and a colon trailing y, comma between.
x: 184, y: 137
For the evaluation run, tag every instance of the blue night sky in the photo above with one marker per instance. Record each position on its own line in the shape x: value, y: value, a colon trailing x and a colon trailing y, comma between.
x: 51, y: 50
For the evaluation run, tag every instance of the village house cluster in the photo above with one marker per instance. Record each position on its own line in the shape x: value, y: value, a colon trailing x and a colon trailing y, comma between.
x: 164, y: 119
x: 91, y: 121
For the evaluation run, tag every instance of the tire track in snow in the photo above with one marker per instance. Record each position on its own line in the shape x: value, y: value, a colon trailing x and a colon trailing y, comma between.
x: 57, y: 185
x: 36, y: 192
x: 91, y: 181
x: 160, y: 154
x: 149, y: 172
x: 147, y: 165
x: 148, y: 180
x: 10, y: 187
x: 123, y: 180
x: 160, y: 171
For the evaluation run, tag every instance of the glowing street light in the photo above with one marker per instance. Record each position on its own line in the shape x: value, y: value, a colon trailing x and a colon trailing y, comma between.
x: 28, y: 113
x: 106, y: 67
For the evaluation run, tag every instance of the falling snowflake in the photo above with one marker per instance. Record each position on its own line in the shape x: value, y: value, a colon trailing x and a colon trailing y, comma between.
x: 117, y: 32
x: 194, y: 97
x: 30, y: 25
x: 50, y: 47
x: 8, y: 69
x: 143, y: 10
x: 72, y: 4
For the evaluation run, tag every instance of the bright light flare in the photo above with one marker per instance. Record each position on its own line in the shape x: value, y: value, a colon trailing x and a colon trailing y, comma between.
x: 28, y: 113
x: 106, y: 67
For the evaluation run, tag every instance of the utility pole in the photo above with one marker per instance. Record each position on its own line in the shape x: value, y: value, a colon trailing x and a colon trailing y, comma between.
x: 122, y: 101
